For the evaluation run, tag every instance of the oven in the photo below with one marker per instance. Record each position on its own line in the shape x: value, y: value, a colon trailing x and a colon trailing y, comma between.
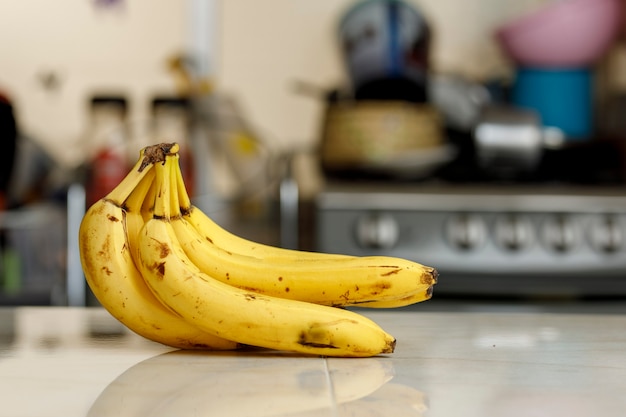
x: 497, y: 240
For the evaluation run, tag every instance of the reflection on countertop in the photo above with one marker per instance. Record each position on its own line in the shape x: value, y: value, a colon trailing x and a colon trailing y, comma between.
x: 81, y: 362
x: 252, y: 383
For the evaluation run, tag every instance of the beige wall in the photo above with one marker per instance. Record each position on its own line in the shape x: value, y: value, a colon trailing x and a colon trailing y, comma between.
x: 262, y: 48
x: 267, y: 45
x: 122, y: 49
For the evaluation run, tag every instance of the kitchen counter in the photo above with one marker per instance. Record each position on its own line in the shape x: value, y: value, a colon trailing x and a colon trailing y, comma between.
x: 68, y: 362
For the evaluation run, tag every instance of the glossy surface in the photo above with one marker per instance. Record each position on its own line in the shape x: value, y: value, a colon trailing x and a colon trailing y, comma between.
x: 80, y: 362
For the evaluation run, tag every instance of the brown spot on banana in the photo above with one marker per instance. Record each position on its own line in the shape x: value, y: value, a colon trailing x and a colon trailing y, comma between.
x: 125, y: 221
x: 382, y: 285
x: 112, y: 218
x: 390, y: 346
x: 392, y: 272
x: 252, y: 290
x: 428, y: 279
x: 164, y: 249
x: 304, y: 340
x: 316, y: 345
x: 105, y: 251
x: 160, y: 269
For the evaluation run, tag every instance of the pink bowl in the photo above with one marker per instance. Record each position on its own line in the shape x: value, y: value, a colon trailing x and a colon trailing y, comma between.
x: 566, y: 33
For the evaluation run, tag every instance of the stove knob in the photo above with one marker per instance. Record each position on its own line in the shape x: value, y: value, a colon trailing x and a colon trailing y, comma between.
x: 606, y: 234
x: 466, y: 231
x: 560, y: 233
x: 513, y: 232
x: 377, y: 231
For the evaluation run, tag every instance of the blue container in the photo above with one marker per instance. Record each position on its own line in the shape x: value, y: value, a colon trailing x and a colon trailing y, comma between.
x: 562, y: 97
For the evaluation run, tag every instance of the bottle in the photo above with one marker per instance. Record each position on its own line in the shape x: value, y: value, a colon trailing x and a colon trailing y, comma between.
x: 107, y: 137
x: 171, y: 118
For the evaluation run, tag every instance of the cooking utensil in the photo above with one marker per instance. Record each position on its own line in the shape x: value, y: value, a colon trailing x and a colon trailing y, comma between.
x: 386, y: 44
x: 370, y: 136
x: 565, y: 33
x: 510, y: 141
x: 563, y: 98
x: 460, y: 101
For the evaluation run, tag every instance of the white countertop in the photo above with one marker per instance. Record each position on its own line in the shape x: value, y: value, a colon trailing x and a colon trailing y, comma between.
x: 79, y: 362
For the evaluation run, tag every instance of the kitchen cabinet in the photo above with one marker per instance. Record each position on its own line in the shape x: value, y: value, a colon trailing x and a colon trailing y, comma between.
x: 81, y: 362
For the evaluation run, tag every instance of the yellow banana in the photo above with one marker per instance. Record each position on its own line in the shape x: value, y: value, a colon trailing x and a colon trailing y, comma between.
x: 334, y: 281
x: 113, y: 277
x: 241, y: 315
x: 400, y: 302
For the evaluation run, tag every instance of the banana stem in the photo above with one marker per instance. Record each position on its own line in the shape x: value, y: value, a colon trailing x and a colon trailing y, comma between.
x: 150, y: 155
x: 162, y: 195
x: 184, y: 202
x: 147, y: 208
x: 137, y: 197
x: 175, y: 211
x: 121, y: 192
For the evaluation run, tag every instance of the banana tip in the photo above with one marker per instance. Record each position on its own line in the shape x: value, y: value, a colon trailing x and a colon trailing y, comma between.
x: 391, y: 346
x: 435, y: 275
x: 429, y: 291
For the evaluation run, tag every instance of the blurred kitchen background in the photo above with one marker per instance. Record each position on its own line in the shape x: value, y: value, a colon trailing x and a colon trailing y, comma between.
x: 485, y: 138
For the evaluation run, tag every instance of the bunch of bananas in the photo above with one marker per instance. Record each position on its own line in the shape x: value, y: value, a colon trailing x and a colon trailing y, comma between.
x: 169, y: 273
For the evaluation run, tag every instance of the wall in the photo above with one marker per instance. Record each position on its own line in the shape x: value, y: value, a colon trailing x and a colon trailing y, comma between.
x: 87, y: 48
x: 263, y: 47
x: 267, y: 46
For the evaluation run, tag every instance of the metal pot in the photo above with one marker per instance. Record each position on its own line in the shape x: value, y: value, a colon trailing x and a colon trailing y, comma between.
x: 510, y: 141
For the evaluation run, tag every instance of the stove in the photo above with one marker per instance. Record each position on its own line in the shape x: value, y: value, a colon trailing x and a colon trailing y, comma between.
x: 487, y: 239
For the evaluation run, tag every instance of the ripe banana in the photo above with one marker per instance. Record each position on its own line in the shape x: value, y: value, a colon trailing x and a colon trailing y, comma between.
x: 401, y: 302
x: 113, y: 277
x: 241, y: 315
x: 373, y: 281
